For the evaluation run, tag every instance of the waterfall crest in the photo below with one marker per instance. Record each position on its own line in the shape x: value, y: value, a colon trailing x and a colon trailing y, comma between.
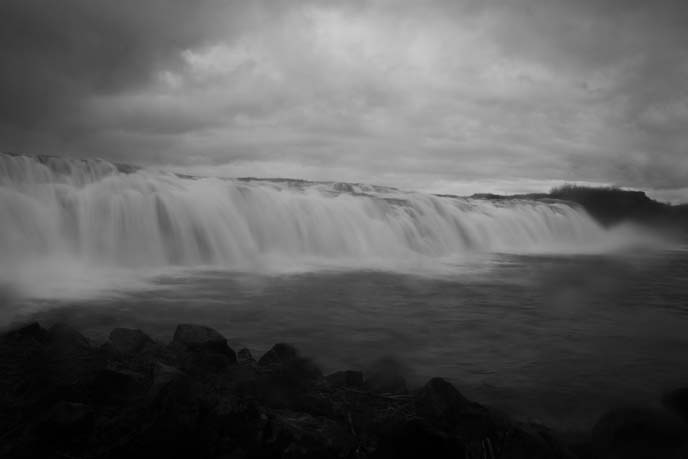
x: 91, y: 210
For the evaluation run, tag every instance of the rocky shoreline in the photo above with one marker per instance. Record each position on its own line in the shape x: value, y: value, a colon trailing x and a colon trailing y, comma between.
x: 62, y: 396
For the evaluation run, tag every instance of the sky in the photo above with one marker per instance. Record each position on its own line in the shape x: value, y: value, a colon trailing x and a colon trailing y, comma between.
x: 448, y: 96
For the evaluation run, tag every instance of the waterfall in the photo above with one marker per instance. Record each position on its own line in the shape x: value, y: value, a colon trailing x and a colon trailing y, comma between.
x: 90, y: 210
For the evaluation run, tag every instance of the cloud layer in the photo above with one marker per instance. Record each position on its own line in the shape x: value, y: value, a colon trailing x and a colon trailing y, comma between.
x: 418, y: 94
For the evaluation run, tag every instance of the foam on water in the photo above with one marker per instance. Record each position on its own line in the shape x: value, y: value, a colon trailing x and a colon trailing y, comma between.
x: 66, y: 223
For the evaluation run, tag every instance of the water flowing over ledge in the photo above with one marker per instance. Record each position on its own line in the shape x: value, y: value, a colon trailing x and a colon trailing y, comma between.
x: 104, y: 215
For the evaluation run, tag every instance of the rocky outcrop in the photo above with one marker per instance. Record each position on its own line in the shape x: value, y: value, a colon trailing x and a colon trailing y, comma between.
x: 60, y: 396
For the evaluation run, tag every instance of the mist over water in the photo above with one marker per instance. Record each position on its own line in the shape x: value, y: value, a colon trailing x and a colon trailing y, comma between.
x: 86, y: 226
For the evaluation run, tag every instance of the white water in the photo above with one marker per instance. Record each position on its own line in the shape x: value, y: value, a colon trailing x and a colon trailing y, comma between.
x: 69, y: 220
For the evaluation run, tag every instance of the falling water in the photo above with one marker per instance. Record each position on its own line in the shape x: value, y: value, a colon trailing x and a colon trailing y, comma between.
x: 56, y: 213
x: 91, y: 210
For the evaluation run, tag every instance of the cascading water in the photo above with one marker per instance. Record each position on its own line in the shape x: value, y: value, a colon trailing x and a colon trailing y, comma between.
x: 92, y: 212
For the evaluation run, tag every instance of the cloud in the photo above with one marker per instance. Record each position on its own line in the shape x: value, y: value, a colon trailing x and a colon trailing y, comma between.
x: 424, y: 93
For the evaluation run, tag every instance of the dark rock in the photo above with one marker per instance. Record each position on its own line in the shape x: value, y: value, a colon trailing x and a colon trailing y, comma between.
x: 117, y: 384
x: 202, y: 349
x: 347, y: 378
x: 163, y: 375
x: 387, y: 376
x: 414, y: 438
x: 201, y: 338
x: 71, y: 362
x: 280, y: 353
x: 439, y: 401
x: 59, y: 430
x: 300, y: 435
x: 530, y: 441
x: 66, y: 425
x: 244, y: 356
x: 65, y: 336
x: 32, y: 331
x: 128, y: 341
x: 677, y: 401
x: 639, y: 432
x: 285, y: 378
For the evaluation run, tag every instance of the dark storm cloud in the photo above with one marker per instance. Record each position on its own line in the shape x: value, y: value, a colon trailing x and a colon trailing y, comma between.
x: 56, y: 52
x: 415, y: 93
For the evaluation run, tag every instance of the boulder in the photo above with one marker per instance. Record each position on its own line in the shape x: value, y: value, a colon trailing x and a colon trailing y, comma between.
x: 115, y: 384
x: 30, y: 332
x: 67, y: 421
x: 439, y: 401
x: 128, y: 341
x: 387, y: 376
x: 414, y: 438
x: 202, y: 349
x: 201, y: 338
x: 280, y: 353
x: 244, y: 356
x: 301, y: 435
x: 71, y: 361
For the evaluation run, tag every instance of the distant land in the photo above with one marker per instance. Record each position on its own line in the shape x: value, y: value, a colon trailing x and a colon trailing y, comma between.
x: 610, y: 205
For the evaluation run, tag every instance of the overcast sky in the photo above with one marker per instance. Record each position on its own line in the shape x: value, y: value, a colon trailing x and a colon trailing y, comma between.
x: 437, y: 95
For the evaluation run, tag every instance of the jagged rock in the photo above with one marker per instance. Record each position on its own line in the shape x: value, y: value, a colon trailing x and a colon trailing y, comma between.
x: 244, y: 356
x: 202, y: 348
x: 639, y: 432
x: 163, y: 375
x: 118, y: 384
x: 32, y: 331
x: 414, y: 438
x: 201, y: 338
x: 67, y: 422
x: 529, y: 441
x: 386, y: 376
x: 439, y: 401
x: 280, y: 353
x: 71, y: 362
x: 128, y: 341
x: 347, y: 378
x: 299, y: 435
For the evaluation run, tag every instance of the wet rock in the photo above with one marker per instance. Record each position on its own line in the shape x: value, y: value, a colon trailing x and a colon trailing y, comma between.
x: 163, y: 375
x: 128, y: 341
x: 66, y: 427
x: 677, y: 401
x: 244, y: 356
x: 69, y: 418
x: 71, y: 361
x: 414, y: 438
x: 285, y: 378
x: 347, y: 378
x: 300, y: 435
x: 30, y: 332
x: 115, y: 384
x: 280, y: 353
x: 439, y: 401
x: 639, y: 432
x: 387, y: 376
x: 531, y: 441
x: 201, y: 338
x: 202, y: 349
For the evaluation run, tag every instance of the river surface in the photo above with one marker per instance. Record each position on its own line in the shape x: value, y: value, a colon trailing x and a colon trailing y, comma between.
x: 552, y: 338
